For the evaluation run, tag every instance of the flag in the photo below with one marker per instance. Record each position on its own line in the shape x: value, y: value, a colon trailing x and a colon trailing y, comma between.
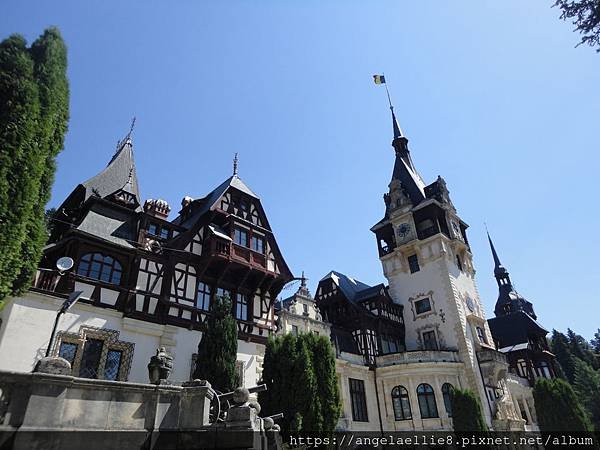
x: 379, y: 79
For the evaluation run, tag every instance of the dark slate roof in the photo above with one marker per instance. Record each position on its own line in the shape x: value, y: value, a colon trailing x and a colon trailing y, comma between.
x: 514, y: 328
x: 210, y: 200
x: 110, y: 224
x: 119, y: 174
x: 352, y: 289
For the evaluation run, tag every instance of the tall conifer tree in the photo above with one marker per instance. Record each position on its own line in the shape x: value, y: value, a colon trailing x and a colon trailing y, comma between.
x: 49, y: 55
x: 217, y: 351
x: 33, y: 120
x: 558, y: 408
x: 20, y: 161
x: 466, y: 412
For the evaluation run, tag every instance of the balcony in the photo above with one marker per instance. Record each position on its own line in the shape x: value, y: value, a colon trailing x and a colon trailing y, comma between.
x: 418, y: 356
x: 428, y: 232
x: 235, y: 252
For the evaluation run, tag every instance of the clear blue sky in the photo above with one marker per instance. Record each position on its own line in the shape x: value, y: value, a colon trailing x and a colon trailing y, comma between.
x: 492, y: 95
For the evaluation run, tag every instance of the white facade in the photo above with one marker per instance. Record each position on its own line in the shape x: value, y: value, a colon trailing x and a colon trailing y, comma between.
x: 27, y: 324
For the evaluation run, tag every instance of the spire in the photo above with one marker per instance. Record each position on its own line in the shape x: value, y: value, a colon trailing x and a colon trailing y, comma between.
x: 498, y: 268
x: 397, y: 129
x: 235, y: 165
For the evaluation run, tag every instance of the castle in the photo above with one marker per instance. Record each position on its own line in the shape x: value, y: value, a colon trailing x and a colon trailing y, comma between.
x: 148, y: 282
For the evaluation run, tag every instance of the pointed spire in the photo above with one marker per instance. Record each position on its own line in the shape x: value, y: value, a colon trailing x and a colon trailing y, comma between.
x: 497, y: 263
x: 397, y: 129
x: 235, y: 165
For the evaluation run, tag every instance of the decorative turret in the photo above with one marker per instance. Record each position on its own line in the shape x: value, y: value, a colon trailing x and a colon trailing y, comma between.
x: 509, y: 300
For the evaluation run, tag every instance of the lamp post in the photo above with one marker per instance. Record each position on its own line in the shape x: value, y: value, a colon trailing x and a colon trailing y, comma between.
x: 70, y: 301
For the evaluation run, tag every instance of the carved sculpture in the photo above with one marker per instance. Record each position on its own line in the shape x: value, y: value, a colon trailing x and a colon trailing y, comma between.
x: 160, y: 367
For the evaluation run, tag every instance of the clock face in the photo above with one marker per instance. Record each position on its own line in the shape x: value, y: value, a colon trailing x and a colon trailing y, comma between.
x: 403, y: 230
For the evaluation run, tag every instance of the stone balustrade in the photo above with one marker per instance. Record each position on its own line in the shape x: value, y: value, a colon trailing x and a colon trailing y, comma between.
x: 418, y: 356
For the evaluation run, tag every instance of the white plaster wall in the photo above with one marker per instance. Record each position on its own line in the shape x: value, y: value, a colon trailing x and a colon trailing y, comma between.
x: 27, y: 323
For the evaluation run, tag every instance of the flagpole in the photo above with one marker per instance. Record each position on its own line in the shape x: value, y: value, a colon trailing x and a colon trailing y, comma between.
x: 387, y: 91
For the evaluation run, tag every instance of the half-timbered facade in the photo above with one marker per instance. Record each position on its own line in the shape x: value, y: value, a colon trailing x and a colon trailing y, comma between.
x: 153, y: 277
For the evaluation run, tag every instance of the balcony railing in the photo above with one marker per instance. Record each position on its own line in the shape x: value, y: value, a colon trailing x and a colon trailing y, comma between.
x: 419, y: 356
x: 428, y: 232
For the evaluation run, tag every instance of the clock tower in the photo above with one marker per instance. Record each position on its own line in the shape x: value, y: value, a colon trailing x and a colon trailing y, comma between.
x: 426, y: 258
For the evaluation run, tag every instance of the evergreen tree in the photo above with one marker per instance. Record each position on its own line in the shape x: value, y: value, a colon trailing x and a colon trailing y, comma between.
x: 562, y: 351
x: 49, y: 55
x: 587, y: 387
x: 20, y: 159
x: 581, y: 349
x: 327, y: 385
x: 558, y: 408
x: 217, y: 351
x: 586, y: 18
x: 466, y: 412
x: 33, y: 121
x: 301, y: 383
x: 595, y: 342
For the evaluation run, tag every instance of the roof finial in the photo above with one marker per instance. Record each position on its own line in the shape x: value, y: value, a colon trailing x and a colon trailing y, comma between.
x: 235, y: 165
x: 132, y: 126
x: 303, y: 280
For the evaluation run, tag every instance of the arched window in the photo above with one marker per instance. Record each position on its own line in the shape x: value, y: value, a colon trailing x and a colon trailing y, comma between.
x: 427, y: 404
x: 447, y: 394
x: 100, y: 267
x: 401, y: 403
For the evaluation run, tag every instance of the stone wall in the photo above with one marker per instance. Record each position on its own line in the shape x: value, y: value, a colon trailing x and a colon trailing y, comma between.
x: 41, y: 411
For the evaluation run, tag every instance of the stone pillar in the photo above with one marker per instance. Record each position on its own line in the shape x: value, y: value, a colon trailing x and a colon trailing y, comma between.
x: 195, y: 404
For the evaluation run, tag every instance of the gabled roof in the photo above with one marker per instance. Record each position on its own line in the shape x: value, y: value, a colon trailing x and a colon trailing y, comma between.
x: 211, y: 199
x: 352, y: 289
x: 119, y: 174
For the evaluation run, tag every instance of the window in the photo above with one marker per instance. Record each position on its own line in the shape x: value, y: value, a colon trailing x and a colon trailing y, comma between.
x: 164, y: 233
x: 240, y: 237
x: 90, y: 361
x: 257, y: 244
x: 68, y: 351
x: 113, y: 364
x: 294, y: 330
x: 544, y: 370
x: 459, y: 263
x: 203, y: 295
x: 100, y: 267
x: 401, y: 403
x: 427, y: 404
x: 305, y: 309
x: 429, y: 340
x: 241, y: 306
x: 447, y: 394
x: 413, y: 263
x: 153, y: 229
x: 481, y: 335
x: 222, y: 293
x: 95, y: 353
x: 422, y: 306
x: 358, y: 400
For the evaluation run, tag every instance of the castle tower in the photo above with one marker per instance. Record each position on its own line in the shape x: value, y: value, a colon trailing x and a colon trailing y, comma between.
x: 426, y: 258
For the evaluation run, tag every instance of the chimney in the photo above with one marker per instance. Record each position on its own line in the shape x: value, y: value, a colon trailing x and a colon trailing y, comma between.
x: 157, y: 208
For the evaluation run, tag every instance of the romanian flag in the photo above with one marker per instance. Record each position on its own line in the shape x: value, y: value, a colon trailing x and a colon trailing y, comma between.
x: 379, y: 79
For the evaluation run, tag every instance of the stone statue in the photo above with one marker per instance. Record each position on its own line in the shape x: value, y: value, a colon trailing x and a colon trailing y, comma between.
x: 160, y: 367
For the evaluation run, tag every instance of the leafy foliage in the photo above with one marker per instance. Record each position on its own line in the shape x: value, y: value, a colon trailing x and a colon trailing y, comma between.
x: 558, y: 408
x: 586, y: 18
x: 301, y: 383
x: 34, y: 96
x: 466, y: 412
x: 217, y: 351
